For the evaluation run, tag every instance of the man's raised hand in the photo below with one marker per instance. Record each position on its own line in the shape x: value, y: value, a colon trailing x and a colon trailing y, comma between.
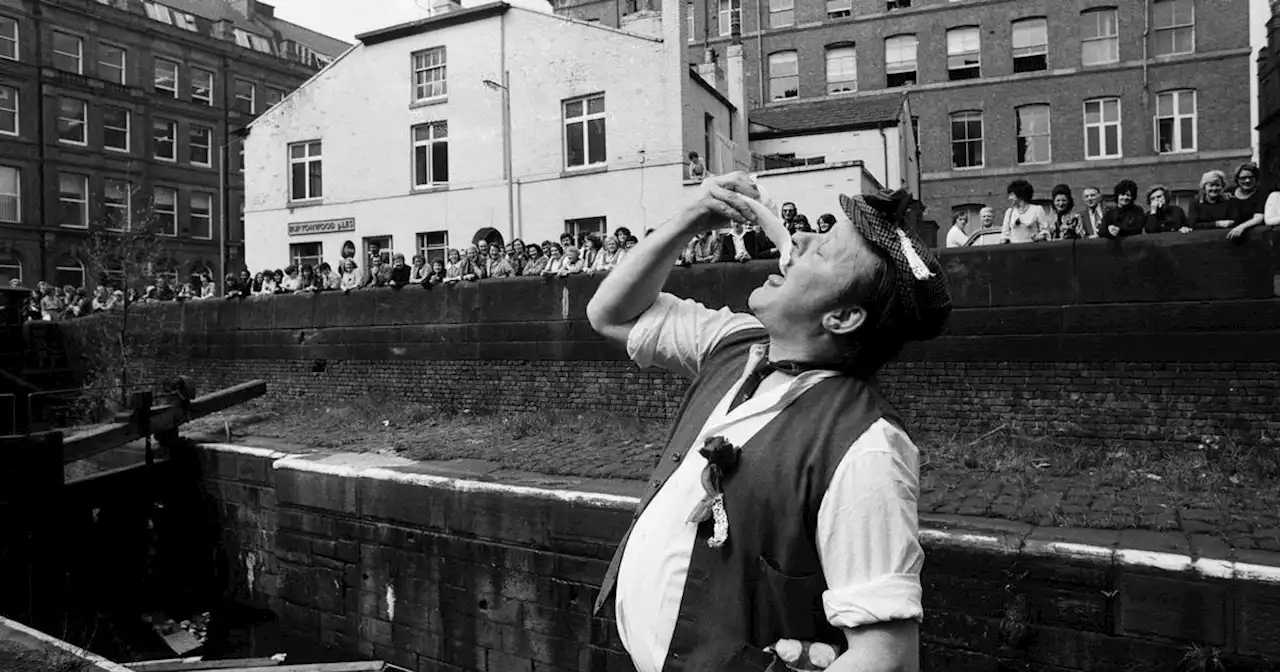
x: 722, y: 199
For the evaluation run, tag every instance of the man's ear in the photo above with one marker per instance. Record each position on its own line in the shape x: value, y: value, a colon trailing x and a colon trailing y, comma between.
x: 843, y: 321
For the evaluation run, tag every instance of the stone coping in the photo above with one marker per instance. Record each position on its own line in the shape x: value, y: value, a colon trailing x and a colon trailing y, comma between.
x: 1207, y: 558
x: 29, y: 638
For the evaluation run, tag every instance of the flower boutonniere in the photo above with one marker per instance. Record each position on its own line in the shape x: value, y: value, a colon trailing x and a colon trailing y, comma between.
x: 722, y: 460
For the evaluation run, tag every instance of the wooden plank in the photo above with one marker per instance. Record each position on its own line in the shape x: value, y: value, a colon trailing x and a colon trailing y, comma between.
x: 376, y: 666
x: 163, y: 418
x: 196, y: 665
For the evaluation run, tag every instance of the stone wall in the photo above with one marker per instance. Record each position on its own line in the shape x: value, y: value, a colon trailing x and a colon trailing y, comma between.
x: 371, y: 555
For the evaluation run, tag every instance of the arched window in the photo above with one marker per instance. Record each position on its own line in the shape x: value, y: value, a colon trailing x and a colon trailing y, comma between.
x: 964, y: 53
x: 10, y: 267
x: 900, y: 60
x: 842, y: 69
x: 69, y: 271
x: 784, y: 75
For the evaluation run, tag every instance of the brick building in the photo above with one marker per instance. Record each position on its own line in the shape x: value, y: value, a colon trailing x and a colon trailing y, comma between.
x: 1269, y: 99
x: 1055, y: 92
x: 109, y: 104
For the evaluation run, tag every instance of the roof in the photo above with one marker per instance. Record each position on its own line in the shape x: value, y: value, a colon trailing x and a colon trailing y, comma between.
x: 825, y: 115
x: 712, y: 90
x: 430, y: 23
x: 329, y: 46
x: 224, y: 10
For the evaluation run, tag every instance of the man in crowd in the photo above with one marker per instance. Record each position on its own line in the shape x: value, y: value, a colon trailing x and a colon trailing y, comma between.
x: 785, y: 507
x: 792, y: 220
x: 1094, y: 211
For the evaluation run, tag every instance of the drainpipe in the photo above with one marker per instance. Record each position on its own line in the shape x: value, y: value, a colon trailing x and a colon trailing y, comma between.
x: 759, y: 52
x: 1146, y: 40
x: 41, y: 182
x: 884, y: 142
x: 506, y: 129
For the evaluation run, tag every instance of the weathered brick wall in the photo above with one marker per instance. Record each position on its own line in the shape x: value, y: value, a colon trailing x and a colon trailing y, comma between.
x: 434, y: 575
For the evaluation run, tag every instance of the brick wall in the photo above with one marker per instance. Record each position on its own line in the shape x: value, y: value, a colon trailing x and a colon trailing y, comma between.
x: 435, y: 575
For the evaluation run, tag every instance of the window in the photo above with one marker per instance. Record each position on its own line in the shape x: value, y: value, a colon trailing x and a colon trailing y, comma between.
x: 305, y: 171
x: 1034, y: 145
x: 578, y: 228
x: 1174, y: 23
x: 68, y: 53
x: 1102, y: 128
x: 305, y: 253
x: 185, y: 21
x: 8, y: 110
x: 784, y: 75
x: 158, y: 12
x: 164, y: 139
x: 1176, y: 121
x: 433, y: 245
x: 252, y: 41
x: 842, y: 70
x: 966, y: 140
x: 115, y: 128
x: 201, y: 213
x: 164, y: 209
x: 202, y: 86
x: 71, y: 121
x: 431, y: 154
x: 69, y: 271
x: 10, y: 268
x: 115, y: 204
x: 429, y: 74
x: 1099, y: 37
x: 782, y: 13
x: 201, y: 139
x: 964, y: 53
x: 8, y: 38
x: 166, y: 80
x: 111, y: 63
x: 891, y: 5
x: 900, y: 61
x: 688, y: 21
x: 837, y: 9
x: 728, y: 11
x: 73, y: 200
x: 246, y: 92
x: 10, y: 194
x: 584, y: 132
x: 274, y: 96
x: 1030, y: 45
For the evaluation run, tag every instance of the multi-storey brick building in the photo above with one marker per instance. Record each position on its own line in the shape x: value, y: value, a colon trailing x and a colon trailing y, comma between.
x: 1085, y: 92
x: 1269, y: 99
x: 109, y: 104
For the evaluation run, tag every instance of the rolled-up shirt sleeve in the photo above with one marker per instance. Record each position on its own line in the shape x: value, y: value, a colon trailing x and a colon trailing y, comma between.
x: 867, y: 532
x: 678, y: 334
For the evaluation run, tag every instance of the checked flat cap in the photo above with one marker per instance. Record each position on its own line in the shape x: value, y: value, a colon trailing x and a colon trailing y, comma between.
x: 923, y: 302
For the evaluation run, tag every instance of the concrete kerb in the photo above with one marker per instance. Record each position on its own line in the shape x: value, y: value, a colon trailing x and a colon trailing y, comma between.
x: 1098, y: 547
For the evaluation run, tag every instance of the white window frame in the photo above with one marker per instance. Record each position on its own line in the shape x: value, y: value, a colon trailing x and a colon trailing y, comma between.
x: 1172, y: 28
x: 958, y: 47
x: 79, y: 55
x: 253, y: 95
x: 1174, y: 96
x: 724, y: 13
x: 192, y: 130
x: 123, y: 67
x: 196, y: 76
x: 838, y: 9
x: 689, y: 20
x: 1102, y: 125
x: 1039, y: 25
x: 82, y: 202
x: 1020, y: 132
x: 173, y: 135
x: 16, y: 196
x: 124, y: 206
x: 83, y: 120
x: 272, y: 98
x: 157, y: 211
x: 78, y: 268
x: 585, y: 119
x: 782, y: 13
x: 159, y: 64
x: 430, y: 77
x: 14, y: 108
x: 312, y: 152
x: 185, y: 21
x: 297, y: 259
x: 158, y: 12
x: 981, y: 139
x: 843, y: 54
x: 128, y: 129
x: 9, y: 43
x: 787, y: 62
x: 900, y: 66
x: 427, y: 250
x: 437, y: 134
x: 1093, y: 19
x: 207, y: 217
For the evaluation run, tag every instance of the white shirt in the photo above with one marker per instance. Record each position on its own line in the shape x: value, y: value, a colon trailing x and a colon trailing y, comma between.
x: 867, y: 523
x: 956, y: 237
x: 739, y: 243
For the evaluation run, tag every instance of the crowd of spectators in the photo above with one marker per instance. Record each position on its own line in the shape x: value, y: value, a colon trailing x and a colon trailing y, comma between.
x: 49, y: 302
x: 1234, y: 208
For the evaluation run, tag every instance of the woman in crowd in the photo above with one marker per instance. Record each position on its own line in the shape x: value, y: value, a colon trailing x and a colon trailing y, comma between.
x: 328, y: 279
x: 455, y: 267
x: 399, y: 274
x: 232, y: 288
x: 269, y: 285
x: 609, y: 258
x: 475, y: 265
x: 418, y: 274
x: 828, y: 220
x: 956, y: 235
x: 1024, y: 221
x: 1063, y: 223
x: 518, y: 257
x: 351, y: 278
x: 278, y: 276
x: 50, y: 304
x: 555, y: 259
x: 1127, y: 218
x: 536, y: 263
x: 378, y: 272
x: 1252, y: 200
x: 102, y: 299
x: 1163, y: 216
x: 631, y: 242
x: 1213, y: 209
x: 591, y: 248
x: 573, y: 262
x: 703, y: 249
x: 435, y: 274
x: 292, y: 281
x: 307, y: 280
x: 208, y: 288
x: 255, y: 287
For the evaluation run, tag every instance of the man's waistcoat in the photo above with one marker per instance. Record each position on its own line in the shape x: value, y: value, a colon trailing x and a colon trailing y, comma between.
x: 766, y: 583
